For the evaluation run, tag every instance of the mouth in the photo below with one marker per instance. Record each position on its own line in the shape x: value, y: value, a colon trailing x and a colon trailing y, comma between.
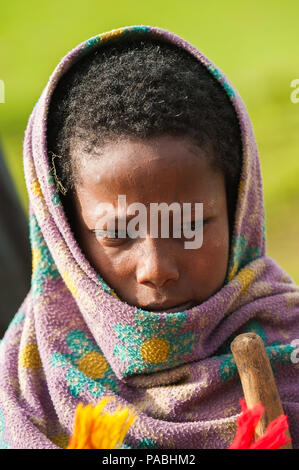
x: 163, y: 307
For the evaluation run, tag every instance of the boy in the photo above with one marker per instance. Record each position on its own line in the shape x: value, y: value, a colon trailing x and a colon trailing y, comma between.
x: 139, y: 112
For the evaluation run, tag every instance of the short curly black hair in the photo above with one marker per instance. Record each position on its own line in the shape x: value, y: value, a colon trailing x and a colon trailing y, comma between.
x: 143, y: 88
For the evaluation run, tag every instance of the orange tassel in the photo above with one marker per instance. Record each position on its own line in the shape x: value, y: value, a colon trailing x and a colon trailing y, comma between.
x: 98, y: 429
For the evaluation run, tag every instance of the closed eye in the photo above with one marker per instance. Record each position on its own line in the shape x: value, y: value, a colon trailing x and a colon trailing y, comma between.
x: 118, y: 235
x: 106, y: 234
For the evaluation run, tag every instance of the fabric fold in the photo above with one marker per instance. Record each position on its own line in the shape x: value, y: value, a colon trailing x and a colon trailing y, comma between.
x: 73, y: 339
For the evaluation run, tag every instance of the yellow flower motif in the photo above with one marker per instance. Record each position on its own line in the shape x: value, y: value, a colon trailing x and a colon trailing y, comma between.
x: 36, y: 254
x: 35, y: 188
x: 111, y: 34
x: 98, y: 429
x: 93, y: 364
x: 30, y: 357
x: 233, y: 271
x: 69, y: 282
x: 245, y: 277
x: 155, y: 350
x: 116, y: 296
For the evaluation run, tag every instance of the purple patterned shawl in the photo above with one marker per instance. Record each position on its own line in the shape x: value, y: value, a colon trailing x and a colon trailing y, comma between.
x: 74, y: 340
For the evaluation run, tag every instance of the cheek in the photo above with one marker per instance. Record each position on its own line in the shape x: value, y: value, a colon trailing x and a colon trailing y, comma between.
x: 109, y: 263
x: 112, y: 264
x: 211, y: 260
x: 89, y: 245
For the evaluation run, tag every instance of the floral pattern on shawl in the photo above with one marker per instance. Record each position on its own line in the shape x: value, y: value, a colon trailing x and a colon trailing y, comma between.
x: 74, y: 340
x: 149, y: 345
x: 86, y: 366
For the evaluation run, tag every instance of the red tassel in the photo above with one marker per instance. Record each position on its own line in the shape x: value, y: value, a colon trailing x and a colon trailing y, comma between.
x: 273, y: 438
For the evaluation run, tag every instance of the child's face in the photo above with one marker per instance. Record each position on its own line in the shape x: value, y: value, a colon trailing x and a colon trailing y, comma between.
x: 154, y: 273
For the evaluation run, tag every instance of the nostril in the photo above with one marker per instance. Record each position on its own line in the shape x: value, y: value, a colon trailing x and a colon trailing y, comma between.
x: 156, y: 280
x: 156, y: 272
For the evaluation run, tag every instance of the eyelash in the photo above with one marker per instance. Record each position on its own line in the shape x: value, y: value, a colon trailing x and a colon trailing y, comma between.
x: 115, y: 239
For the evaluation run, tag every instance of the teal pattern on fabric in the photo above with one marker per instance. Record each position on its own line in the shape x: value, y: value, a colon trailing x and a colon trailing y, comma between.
x: 147, y: 443
x: 278, y: 354
x: 96, y: 41
x: 56, y: 199
x: 137, y: 29
x: 105, y: 286
x: 17, y: 319
x: 51, y: 179
x: 242, y: 254
x: 227, y: 368
x: 217, y: 74
x: 144, y: 443
x: 80, y: 345
x: 93, y: 42
x: 45, y: 266
x: 150, y: 344
x: 3, y: 444
x: 254, y: 326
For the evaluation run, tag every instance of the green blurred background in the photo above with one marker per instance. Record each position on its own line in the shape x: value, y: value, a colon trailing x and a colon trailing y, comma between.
x: 255, y: 43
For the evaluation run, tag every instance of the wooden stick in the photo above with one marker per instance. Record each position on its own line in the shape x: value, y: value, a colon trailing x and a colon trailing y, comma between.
x: 257, y: 379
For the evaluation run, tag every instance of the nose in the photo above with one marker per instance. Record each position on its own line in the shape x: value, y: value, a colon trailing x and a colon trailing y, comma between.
x: 157, y: 263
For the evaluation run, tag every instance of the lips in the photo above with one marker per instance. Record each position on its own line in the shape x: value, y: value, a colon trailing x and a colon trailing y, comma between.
x: 163, y: 307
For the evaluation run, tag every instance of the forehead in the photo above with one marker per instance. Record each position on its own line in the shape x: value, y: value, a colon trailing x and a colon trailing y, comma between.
x: 161, y: 169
